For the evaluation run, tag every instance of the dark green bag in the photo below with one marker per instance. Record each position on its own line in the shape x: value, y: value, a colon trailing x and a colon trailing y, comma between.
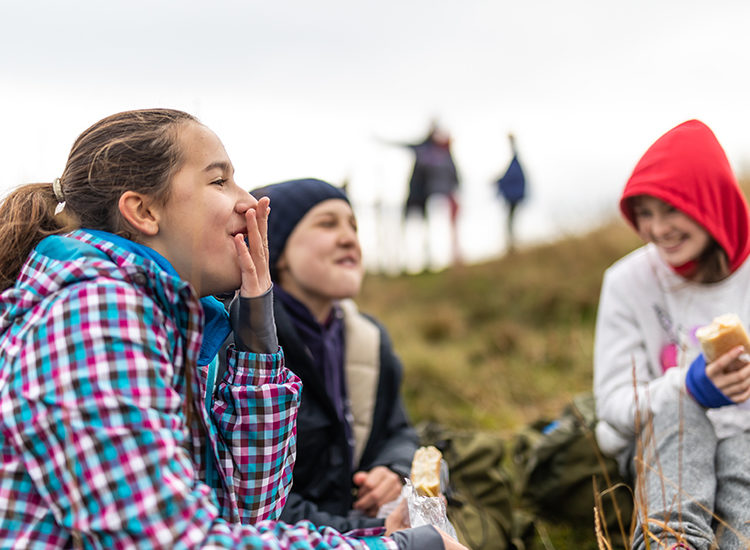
x: 559, y: 464
x: 480, y: 493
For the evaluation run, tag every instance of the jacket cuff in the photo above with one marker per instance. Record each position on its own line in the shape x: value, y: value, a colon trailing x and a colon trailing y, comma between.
x: 699, y: 385
x: 253, y: 323
x: 400, y: 469
x: 418, y: 538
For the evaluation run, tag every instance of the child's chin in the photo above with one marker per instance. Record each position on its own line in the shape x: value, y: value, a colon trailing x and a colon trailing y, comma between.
x: 228, y: 287
x: 350, y: 291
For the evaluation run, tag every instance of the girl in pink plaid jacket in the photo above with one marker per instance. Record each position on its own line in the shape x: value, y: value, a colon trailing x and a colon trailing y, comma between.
x: 107, y: 435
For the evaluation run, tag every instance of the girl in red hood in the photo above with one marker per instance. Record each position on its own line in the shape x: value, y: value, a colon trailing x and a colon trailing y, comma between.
x: 676, y: 425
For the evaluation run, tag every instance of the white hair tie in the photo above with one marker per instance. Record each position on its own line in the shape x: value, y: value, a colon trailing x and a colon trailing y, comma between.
x: 57, y: 189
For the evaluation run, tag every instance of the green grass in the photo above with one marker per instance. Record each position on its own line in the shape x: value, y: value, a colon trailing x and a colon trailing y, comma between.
x: 499, y: 345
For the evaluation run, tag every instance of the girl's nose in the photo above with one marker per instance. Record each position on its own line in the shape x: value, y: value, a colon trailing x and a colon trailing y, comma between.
x: 660, y: 225
x: 348, y: 235
x: 244, y: 201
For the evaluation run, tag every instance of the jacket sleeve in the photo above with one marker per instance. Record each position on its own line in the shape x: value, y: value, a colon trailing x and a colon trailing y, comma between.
x: 103, y: 435
x: 623, y: 375
x: 254, y: 410
x: 417, y: 538
x: 255, y: 413
x: 298, y: 508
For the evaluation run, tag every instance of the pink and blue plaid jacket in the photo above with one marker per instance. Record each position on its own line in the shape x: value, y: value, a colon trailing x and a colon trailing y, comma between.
x: 97, y: 347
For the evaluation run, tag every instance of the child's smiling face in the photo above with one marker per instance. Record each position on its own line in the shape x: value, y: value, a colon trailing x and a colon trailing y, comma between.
x: 678, y: 237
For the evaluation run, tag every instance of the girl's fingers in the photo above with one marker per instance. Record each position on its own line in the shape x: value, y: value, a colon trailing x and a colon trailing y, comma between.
x: 257, y: 244
x: 735, y: 389
x: 742, y: 397
x: 253, y: 254
x: 728, y: 382
x: 254, y: 243
x: 263, y: 209
x: 723, y: 363
x: 734, y: 382
x: 243, y: 255
x: 250, y: 285
x: 738, y: 394
x: 731, y: 375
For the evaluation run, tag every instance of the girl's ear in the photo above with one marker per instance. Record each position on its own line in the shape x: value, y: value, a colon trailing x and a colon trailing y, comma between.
x: 138, y: 211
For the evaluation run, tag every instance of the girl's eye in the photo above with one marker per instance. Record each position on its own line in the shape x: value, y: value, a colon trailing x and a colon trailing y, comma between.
x: 326, y: 221
x: 220, y: 182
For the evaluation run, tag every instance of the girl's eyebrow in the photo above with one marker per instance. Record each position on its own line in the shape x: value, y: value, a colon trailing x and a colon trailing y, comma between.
x: 325, y: 213
x: 221, y: 165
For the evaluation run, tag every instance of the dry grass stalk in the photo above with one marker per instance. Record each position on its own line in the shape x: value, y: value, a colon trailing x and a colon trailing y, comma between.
x: 602, y: 540
x: 625, y: 537
x: 641, y: 502
x: 611, y: 488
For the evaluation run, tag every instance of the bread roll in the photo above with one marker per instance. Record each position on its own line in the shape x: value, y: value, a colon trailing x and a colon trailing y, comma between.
x: 425, y: 471
x: 723, y: 334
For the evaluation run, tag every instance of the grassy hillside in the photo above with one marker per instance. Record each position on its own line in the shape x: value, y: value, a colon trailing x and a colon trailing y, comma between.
x: 497, y: 345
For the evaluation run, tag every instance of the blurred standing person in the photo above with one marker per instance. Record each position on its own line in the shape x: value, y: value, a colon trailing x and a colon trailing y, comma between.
x: 512, y: 187
x: 434, y: 174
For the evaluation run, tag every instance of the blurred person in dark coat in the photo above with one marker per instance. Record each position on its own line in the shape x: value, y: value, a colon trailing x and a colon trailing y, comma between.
x: 511, y: 186
x: 434, y: 174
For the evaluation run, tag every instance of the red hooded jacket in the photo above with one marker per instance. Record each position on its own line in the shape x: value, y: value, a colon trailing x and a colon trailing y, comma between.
x: 687, y: 168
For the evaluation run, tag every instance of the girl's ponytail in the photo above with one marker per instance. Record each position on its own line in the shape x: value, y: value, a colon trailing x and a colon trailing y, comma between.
x: 27, y: 215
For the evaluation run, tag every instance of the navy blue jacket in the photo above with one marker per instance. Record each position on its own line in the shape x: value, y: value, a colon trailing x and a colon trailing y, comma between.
x: 322, y: 489
x: 512, y: 185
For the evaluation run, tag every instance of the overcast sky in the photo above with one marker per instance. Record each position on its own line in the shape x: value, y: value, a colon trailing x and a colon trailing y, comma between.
x: 304, y: 88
